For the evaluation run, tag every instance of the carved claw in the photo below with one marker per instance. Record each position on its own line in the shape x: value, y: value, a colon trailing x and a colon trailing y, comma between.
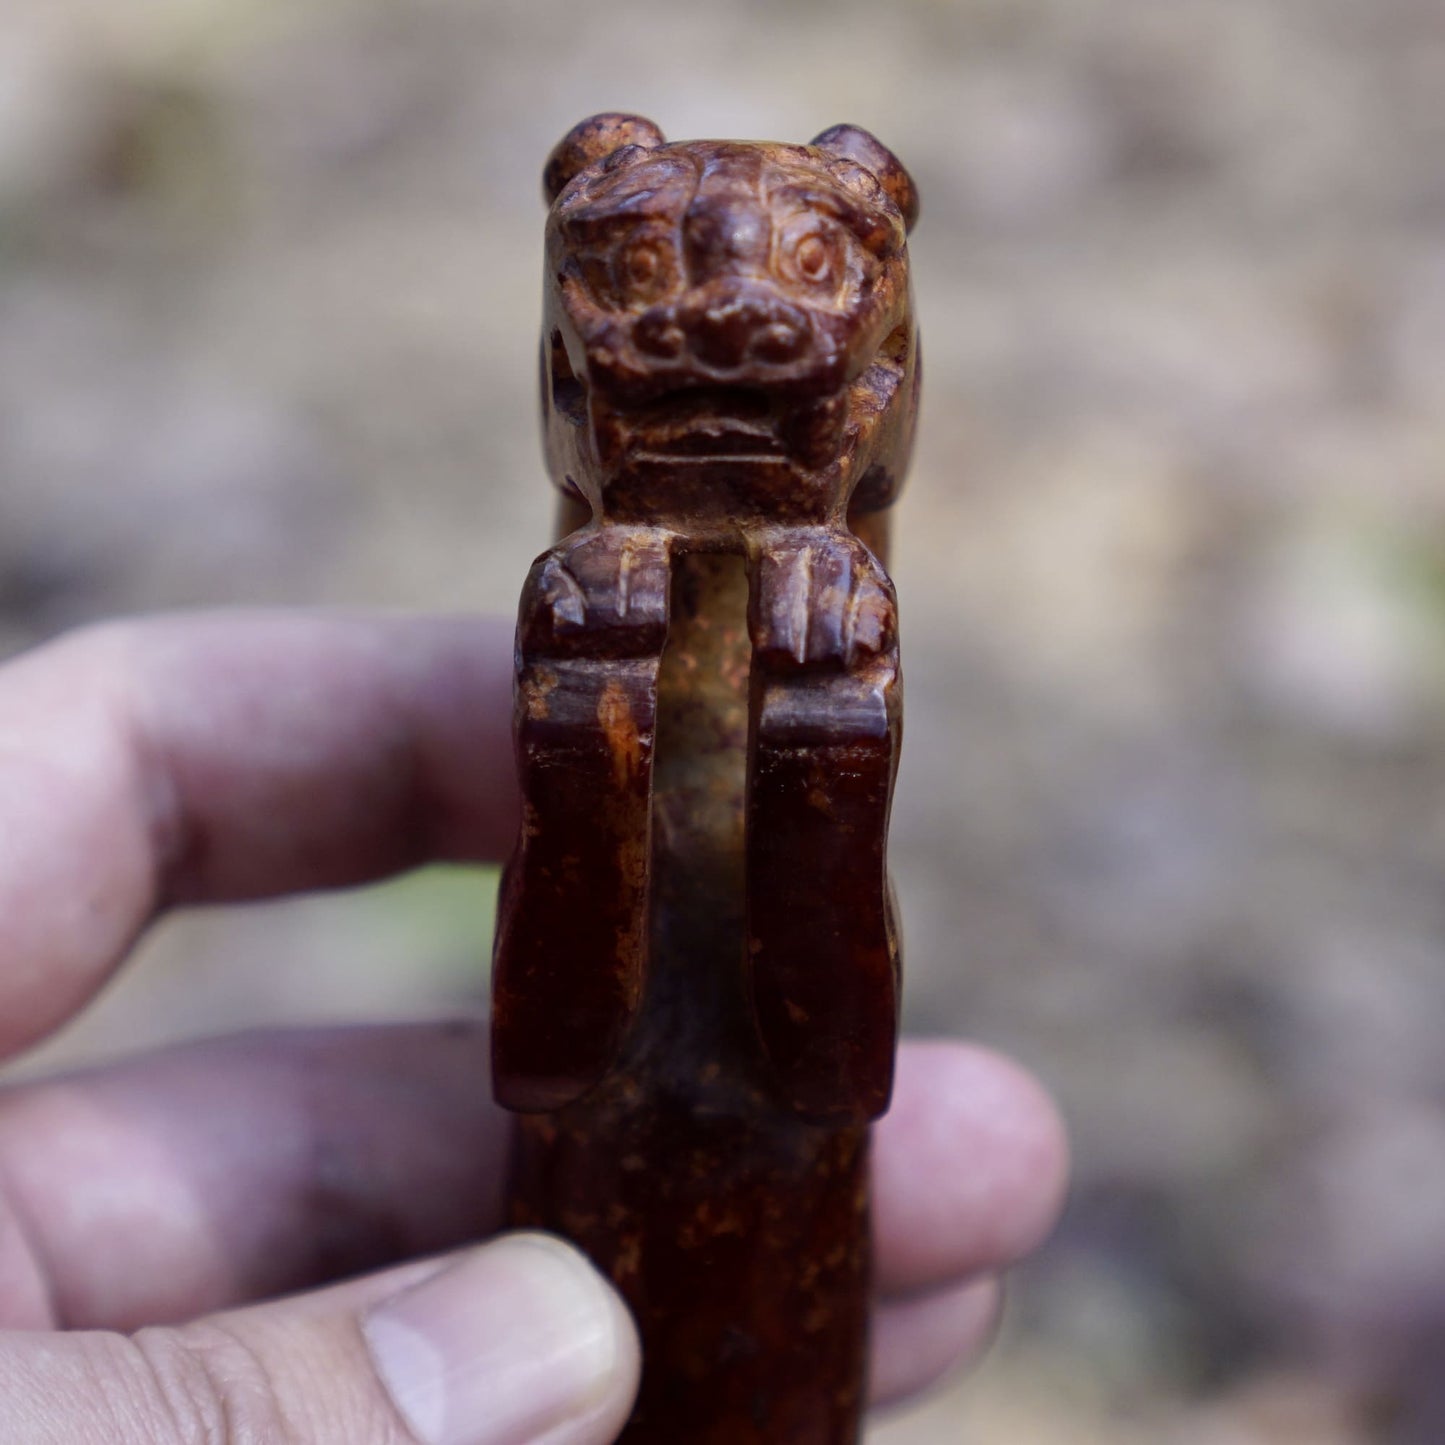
x: 821, y: 601
x: 603, y: 592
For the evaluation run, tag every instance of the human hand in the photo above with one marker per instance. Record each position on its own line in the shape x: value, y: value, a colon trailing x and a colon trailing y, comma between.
x: 158, y: 1217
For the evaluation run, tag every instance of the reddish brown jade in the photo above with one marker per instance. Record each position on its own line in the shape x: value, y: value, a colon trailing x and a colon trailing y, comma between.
x: 696, y: 972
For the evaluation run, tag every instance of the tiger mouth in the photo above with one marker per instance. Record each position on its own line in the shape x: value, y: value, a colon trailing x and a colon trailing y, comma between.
x: 734, y: 423
x: 695, y: 424
x: 708, y: 422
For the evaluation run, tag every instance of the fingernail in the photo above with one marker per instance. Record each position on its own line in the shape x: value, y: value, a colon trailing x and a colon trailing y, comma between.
x: 514, y: 1342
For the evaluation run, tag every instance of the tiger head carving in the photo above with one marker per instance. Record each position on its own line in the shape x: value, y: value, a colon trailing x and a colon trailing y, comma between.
x: 728, y: 338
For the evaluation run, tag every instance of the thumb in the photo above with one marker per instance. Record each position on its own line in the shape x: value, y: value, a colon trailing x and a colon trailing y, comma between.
x: 515, y: 1342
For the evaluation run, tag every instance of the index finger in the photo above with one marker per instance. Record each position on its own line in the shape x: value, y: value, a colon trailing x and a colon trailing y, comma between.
x: 232, y: 756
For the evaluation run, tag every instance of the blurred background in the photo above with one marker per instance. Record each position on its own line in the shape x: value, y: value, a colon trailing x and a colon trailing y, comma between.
x: 1172, y: 565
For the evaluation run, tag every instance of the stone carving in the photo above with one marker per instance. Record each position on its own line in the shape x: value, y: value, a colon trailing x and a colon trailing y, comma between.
x: 696, y: 969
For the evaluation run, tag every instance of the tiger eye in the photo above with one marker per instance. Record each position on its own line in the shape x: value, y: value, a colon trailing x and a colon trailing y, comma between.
x: 811, y: 257
x: 642, y: 265
x: 642, y: 271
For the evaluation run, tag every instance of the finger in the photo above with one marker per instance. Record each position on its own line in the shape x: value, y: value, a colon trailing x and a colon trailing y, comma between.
x: 919, y: 1341
x: 233, y: 1170
x: 232, y: 756
x: 517, y: 1341
x: 220, y: 1172
x: 970, y: 1168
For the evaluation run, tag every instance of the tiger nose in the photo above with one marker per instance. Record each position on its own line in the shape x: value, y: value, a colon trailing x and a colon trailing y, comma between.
x: 728, y: 326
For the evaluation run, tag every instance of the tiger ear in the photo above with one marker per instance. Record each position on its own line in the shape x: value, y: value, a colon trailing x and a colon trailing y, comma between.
x: 592, y: 140
x: 853, y: 143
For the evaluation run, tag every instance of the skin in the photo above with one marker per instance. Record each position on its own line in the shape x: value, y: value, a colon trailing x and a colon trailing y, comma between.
x: 218, y: 758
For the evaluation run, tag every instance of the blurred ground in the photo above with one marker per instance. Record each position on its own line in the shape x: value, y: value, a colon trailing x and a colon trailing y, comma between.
x: 1171, y: 824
